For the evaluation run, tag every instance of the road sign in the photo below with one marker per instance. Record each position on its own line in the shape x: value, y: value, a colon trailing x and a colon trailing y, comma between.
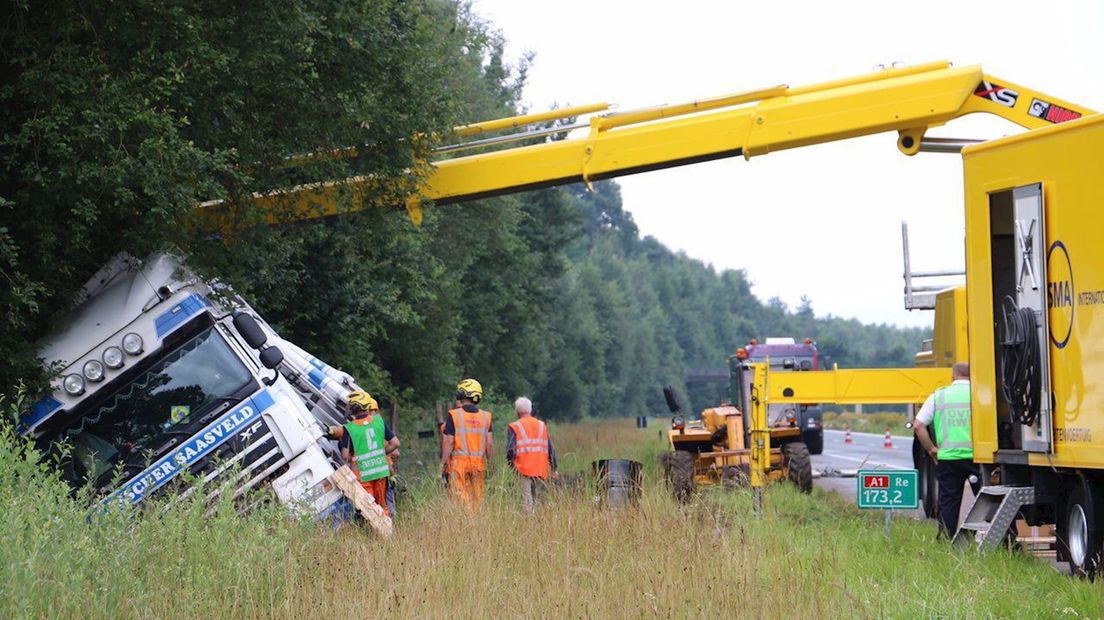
x: 888, y: 489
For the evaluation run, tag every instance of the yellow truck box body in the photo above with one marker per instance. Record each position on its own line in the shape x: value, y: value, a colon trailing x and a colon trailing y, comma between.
x: 1068, y: 161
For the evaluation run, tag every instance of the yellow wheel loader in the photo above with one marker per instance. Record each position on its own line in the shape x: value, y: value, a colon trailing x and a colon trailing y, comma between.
x: 716, y: 448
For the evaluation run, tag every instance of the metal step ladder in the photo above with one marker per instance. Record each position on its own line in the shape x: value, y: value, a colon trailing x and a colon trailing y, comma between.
x: 992, y: 513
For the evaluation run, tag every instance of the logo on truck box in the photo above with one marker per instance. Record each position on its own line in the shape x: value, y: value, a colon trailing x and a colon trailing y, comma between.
x: 1061, y: 295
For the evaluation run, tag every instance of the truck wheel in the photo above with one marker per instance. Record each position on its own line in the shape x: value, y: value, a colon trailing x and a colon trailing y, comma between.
x: 799, y: 465
x: 1081, y: 535
x: 929, y: 488
x: 680, y: 467
x: 814, y: 440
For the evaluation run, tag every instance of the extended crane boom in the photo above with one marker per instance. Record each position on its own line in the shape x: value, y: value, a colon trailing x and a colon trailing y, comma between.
x: 908, y: 100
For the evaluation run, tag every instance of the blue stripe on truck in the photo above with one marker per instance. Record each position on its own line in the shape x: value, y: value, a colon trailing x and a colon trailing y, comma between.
x: 41, y: 410
x: 193, y: 450
x: 176, y: 316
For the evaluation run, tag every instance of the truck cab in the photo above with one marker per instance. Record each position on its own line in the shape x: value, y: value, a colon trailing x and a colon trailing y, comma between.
x: 785, y: 355
x: 161, y: 373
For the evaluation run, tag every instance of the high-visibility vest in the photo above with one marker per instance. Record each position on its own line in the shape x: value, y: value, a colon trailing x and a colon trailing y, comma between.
x: 369, y: 459
x: 952, y: 422
x: 471, y: 428
x: 531, y: 454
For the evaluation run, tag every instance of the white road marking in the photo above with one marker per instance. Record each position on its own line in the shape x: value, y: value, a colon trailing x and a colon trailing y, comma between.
x: 868, y: 461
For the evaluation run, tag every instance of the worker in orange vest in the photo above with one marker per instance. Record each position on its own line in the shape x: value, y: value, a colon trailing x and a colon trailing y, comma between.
x: 467, y: 445
x: 365, y: 444
x: 529, y: 451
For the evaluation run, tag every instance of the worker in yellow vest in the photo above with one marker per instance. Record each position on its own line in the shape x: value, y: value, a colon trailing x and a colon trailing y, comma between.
x: 529, y: 451
x: 365, y: 443
x: 947, y: 410
x: 467, y: 445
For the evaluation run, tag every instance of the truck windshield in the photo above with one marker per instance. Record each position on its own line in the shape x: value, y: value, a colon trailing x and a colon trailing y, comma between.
x: 779, y: 362
x: 134, y: 424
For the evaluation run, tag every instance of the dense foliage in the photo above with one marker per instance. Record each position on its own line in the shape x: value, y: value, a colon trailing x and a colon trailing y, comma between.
x: 119, y: 117
x: 636, y: 316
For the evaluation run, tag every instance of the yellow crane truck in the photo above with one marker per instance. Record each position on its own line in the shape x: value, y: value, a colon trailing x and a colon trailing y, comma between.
x: 1034, y: 267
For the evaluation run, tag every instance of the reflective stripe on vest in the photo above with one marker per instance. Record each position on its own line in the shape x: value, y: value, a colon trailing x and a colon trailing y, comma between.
x: 951, y: 418
x: 369, y: 457
x: 531, y: 453
x: 479, y: 421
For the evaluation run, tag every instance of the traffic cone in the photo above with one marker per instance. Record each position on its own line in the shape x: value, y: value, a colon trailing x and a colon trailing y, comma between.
x: 847, y: 435
x: 888, y: 440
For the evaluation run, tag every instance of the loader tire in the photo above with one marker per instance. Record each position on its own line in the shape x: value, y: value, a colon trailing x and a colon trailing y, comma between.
x: 680, y: 467
x: 800, y: 465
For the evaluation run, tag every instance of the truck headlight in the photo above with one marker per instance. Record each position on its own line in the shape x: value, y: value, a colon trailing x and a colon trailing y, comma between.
x: 73, y: 384
x: 132, y: 343
x: 94, y: 371
x: 113, y: 357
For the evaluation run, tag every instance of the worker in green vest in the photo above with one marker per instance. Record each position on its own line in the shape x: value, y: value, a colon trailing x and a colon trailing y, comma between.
x: 947, y: 410
x: 365, y: 443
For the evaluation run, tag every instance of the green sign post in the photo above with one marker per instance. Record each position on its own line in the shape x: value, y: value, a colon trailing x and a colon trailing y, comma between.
x: 888, y: 489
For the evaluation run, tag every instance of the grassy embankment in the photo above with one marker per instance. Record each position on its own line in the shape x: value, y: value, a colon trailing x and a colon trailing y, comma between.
x: 869, y: 422
x: 810, y: 556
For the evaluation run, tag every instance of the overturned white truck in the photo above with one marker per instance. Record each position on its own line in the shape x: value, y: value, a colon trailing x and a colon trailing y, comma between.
x: 163, y: 373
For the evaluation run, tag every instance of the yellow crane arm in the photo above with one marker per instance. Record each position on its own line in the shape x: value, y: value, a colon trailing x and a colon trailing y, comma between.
x: 869, y: 386
x: 908, y: 100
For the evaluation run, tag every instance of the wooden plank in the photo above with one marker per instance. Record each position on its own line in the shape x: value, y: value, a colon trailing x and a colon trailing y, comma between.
x: 366, y: 505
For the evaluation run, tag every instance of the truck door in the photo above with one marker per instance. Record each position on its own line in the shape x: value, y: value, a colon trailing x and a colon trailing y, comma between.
x: 1018, y: 230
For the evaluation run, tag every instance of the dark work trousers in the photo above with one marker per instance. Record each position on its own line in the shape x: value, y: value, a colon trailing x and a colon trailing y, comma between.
x: 951, y: 475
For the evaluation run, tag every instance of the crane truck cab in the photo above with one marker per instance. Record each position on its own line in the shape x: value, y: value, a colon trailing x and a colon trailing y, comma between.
x: 787, y: 355
x: 162, y: 373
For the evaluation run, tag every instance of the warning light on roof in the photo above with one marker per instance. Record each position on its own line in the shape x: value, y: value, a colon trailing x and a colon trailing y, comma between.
x: 808, y: 341
x: 753, y: 342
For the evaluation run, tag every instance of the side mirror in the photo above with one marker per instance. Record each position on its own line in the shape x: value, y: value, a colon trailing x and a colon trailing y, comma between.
x: 248, y: 327
x: 272, y: 357
x: 672, y: 399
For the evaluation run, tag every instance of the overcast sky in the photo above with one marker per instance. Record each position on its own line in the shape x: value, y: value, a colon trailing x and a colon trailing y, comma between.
x: 821, y: 221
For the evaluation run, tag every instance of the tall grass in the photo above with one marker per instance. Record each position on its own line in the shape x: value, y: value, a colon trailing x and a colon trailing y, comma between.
x: 809, y: 556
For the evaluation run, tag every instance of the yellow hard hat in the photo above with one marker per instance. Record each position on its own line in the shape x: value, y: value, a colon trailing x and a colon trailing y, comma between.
x: 470, y: 389
x: 359, y: 399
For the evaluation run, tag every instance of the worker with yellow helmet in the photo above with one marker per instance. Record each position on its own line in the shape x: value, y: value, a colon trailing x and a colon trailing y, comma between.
x: 365, y: 443
x: 467, y: 445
